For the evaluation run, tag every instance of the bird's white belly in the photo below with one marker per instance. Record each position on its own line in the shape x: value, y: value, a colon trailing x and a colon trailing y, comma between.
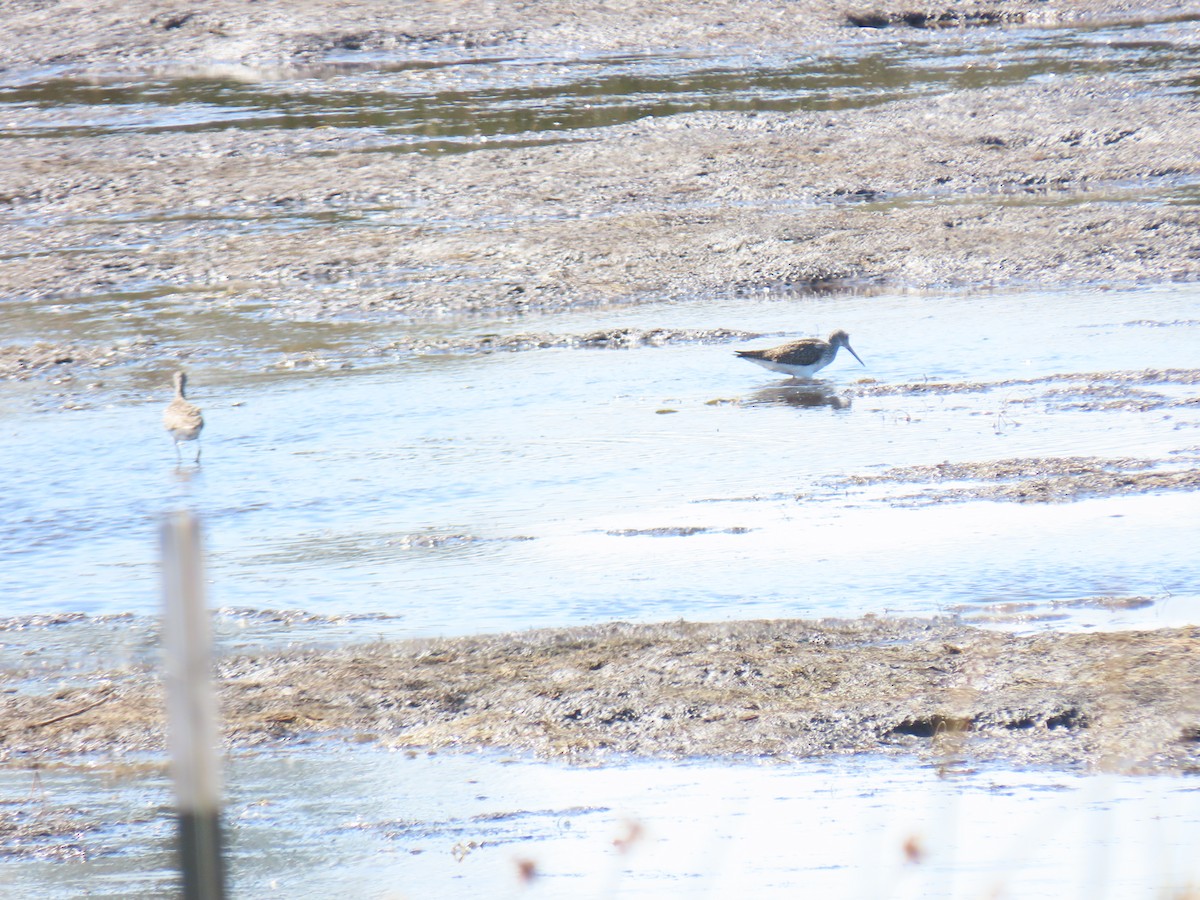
x: 787, y: 369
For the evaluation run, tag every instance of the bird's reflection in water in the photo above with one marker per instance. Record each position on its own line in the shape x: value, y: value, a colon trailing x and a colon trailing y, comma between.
x: 800, y: 394
x: 185, y: 473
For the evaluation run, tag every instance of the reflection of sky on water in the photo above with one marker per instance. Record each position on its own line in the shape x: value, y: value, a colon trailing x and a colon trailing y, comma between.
x: 467, y: 492
x: 462, y: 826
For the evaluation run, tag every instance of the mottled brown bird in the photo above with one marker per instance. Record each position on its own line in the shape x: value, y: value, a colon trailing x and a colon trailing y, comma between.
x: 182, y: 419
x: 802, y: 358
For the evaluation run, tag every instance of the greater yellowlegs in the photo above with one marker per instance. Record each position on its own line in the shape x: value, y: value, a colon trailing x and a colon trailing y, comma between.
x: 182, y: 419
x: 802, y: 358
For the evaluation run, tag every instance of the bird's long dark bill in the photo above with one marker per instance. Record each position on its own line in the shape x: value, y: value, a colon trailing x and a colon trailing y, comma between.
x: 855, y: 355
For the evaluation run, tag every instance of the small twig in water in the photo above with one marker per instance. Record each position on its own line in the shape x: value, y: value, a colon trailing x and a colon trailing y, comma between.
x: 76, y: 712
x: 1004, y: 420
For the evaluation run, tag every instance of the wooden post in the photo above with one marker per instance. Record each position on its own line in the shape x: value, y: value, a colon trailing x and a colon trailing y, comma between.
x: 191, y: 710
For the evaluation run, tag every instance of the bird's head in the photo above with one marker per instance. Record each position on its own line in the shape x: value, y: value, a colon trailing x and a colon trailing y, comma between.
x: 840, y: 339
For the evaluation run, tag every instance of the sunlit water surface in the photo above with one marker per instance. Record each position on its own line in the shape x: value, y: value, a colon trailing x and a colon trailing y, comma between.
x: 481, y: 825
x: 458, y: 493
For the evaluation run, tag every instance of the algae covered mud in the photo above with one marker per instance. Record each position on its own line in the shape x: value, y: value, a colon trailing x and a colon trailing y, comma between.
x: 458, y: 288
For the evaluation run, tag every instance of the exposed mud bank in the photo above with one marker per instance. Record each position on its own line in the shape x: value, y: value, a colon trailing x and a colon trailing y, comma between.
x: 1014, y: 186
x: 785, y: 689
x: 997, y: 181
x: 1041, y: 480
x: 100, y: 35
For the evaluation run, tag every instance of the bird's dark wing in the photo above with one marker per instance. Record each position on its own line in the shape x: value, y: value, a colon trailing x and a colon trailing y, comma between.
x: 798, y: 353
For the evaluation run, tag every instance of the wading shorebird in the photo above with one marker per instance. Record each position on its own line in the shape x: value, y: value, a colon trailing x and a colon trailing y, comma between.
x: 183, y: 419
x: 802, y: 358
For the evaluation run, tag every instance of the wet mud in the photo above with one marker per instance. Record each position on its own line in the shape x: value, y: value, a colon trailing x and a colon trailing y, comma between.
x: 995, y: 180
x: 788, y: 689
x: 614, y: 339
x: 663, y: 209
x: 1037, y: 480
x: 998, y: 183
x: 177, y: 33
x: 48, y: 360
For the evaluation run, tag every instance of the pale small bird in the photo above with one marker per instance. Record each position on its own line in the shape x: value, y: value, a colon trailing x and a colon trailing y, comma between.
x: 802, y: 358
x: 182, y: 419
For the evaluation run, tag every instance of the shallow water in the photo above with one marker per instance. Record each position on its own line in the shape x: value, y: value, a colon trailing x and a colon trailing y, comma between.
x: 466, y: 492
x: 416, y: 826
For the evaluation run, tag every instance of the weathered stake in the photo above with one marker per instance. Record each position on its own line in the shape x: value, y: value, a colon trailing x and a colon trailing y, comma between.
x: 191, y: 710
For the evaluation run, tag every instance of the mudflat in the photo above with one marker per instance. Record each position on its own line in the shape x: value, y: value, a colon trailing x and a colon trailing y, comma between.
x: 1081, y: 180
x: 783, y: 688
x: 986, y: 183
